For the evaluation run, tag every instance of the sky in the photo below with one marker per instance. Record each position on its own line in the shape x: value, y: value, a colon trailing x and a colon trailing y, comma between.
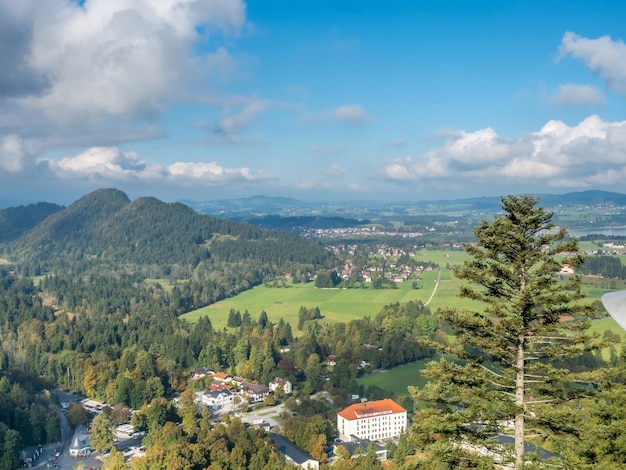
x: 311, y: 99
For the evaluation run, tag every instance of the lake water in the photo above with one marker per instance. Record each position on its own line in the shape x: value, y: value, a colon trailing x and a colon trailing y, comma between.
x: 608, y: 231
x: 615, y: 304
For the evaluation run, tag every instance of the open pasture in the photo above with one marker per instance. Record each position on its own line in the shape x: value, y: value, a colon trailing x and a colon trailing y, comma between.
x: 343, y: 305
x: 336, y: 305
x: 397, y: 380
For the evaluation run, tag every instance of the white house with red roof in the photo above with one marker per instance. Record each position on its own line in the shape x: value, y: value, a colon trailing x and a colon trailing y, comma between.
x: 374, y: 420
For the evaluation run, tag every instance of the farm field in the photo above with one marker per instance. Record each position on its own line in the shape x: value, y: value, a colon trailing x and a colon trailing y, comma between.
x: 343, y: 305
x: 340, y: 305
x: 397, y: 380
x: 336, y: 305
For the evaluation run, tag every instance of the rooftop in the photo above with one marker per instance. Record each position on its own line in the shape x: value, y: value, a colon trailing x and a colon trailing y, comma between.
x: 370, y: 409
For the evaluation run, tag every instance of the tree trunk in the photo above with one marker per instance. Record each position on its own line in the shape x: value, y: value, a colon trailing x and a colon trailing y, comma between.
x: 519, y: 401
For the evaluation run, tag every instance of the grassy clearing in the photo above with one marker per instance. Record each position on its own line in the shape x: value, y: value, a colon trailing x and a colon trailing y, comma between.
x: 343, y: 305
x: 608, y: 323
x: 397, y: 380
x: 336, y: 305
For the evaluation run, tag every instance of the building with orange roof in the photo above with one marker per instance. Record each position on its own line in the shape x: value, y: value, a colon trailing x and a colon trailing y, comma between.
x: 221, y: 377
x: 374, y: 420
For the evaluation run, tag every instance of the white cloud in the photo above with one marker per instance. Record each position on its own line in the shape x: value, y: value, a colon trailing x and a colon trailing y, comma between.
x: 573, y: 95
x: 12, y: 154
x: 109, y: 164
x: 602, y: 55
x: 350, y: 113
x: 211, y: 172
x: 236, y: 121
x: 104, y: 163
x: 590, y: 153
x: 126, y: 58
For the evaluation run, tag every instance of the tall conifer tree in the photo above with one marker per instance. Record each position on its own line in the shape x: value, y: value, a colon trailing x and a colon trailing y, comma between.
x: 526, y: 317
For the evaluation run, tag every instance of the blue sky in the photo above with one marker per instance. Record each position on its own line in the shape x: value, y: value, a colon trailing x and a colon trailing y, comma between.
x: 318, y: 100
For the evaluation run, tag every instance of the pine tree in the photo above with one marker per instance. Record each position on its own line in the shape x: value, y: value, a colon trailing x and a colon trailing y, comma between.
x: 504, y: 349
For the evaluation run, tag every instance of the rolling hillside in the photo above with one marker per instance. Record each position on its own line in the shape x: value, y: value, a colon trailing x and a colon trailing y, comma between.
x: 106, y: 229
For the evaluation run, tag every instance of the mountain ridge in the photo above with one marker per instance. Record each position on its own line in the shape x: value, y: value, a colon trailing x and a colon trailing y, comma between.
x: 106, y: 228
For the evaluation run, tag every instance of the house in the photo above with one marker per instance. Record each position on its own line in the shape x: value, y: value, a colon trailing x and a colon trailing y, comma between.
x: 215, y: 387
x: 293, y: 454
x: 331, y: 360
x: 217, y: 398
x: 238, y: 381
x: 81, y: 442
x: 280, y: 383
x: 255, y: 393
x: 222, y: 377
x: 374, y: 420
x: 200, y: 373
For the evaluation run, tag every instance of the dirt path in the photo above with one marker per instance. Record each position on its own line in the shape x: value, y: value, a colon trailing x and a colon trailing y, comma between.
x: 435, y: 289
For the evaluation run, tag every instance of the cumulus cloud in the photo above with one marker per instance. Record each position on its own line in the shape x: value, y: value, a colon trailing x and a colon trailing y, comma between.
x: 602, y: 55
x: 573, y: 95
x: 211, y: 172
x: 102, y: 59
x: 590, y: 153
x: 109, y: 164
x: 350, y: 113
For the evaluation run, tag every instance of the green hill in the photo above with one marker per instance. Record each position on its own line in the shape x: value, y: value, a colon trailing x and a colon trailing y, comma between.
x: 105, y: 229
x: 15, y: 221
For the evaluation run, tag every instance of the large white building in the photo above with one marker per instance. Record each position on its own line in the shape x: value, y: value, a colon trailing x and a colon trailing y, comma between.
x: 374, y: 420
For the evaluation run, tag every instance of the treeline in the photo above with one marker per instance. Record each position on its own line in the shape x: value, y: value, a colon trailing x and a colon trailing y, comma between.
x: 122, y: 341
x: 605, y: 266
x: 15, y: 221
x: 27, y: 417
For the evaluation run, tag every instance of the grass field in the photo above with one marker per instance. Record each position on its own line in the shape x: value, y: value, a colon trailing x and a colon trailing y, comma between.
x: 336, y: 305
x: 397, y: 380
x: 340, y: 304
x: 348, y: 304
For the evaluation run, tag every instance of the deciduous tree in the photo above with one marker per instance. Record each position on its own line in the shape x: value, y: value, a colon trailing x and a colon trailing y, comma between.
x: 102, y: 432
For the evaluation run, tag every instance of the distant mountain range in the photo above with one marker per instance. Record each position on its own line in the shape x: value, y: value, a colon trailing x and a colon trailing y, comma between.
x: 107, y: 224
x: 254, y: 209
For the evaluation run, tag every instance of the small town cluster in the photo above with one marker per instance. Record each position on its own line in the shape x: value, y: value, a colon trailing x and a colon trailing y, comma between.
x: 360, y: 426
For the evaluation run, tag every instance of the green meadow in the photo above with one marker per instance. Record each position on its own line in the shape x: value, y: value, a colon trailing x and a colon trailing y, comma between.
x: 343, y: 305
x: 340, y: 305
x: 336, y: 305
x: 397, y: 380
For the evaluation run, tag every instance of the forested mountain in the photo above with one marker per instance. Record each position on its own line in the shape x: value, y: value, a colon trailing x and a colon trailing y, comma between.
x: 105, y: 230
x: 15, y: 221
